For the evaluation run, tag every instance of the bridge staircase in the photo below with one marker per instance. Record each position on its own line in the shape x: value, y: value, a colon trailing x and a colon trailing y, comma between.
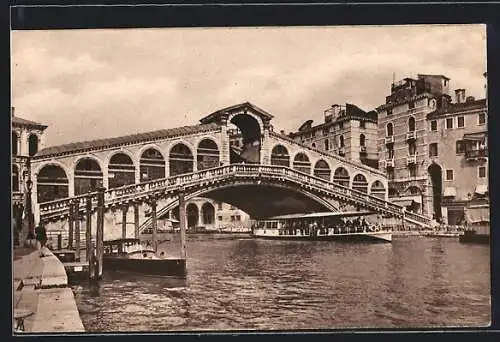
x: 197, y: 182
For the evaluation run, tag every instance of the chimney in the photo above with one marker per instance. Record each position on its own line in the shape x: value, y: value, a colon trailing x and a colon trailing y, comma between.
x: 282, y: 132
x: 12, y: 110
x: 459, y: 95
x: 470, y: 99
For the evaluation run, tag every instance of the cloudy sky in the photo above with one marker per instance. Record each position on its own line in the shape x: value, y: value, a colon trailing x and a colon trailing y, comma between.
x: 88, y: 84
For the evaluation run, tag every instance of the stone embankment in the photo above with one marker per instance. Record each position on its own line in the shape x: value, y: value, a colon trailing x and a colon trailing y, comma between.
x: 41, y: 293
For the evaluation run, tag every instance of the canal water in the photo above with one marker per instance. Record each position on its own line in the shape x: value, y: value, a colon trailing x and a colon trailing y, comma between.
x: 245, y: 284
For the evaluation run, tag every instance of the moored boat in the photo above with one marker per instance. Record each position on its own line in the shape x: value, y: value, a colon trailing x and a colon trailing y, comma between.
x: 129, y: 255
x: 321, y: 226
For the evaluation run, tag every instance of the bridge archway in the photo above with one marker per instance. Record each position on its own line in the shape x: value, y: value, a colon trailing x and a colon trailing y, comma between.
x: 151, y: 165
x: 251, y: 134
x: 301, y: 163
x: 322, y: 170
x: 88, y: 175
x: 360, y: 183
x: 181, y: 160
x: 121, y: 170
x: 52, y: 183
x: 207, y: 154
x: 341, y: 176
x: 280, y: 156
x: 192, y: 215
x: 377, y: 189
x: 208, y: 213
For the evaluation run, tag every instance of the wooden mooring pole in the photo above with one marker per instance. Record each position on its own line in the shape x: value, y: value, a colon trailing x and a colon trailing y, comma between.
x: 136, y: 220
x: 100, y: 231
x: 88, y: 229
x: 124, y: 220
x: 153, y: 222
x: 182, y: 223
x: 70, y: 225
x: 76, y: 208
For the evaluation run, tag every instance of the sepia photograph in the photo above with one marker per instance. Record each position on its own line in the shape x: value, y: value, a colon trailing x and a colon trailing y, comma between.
x: 283, y: 178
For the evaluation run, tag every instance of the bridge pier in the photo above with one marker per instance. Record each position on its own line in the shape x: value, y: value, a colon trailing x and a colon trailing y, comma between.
x: 182, y: 223
x: 76, y: 215
x: 70, y: 224
x: 100, y: 231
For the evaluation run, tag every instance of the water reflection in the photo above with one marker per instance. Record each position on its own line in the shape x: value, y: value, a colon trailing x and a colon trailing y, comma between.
x: 258, y: 284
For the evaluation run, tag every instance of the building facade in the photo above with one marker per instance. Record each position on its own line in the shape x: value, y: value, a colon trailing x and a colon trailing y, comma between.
x: 432, y: 147
x: 28, y: 137
x: 347, y: 131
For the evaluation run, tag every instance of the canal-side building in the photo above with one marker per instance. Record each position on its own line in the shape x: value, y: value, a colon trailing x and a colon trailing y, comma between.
x: 433, y: 147
x: 347, y: 131
x: 27, y: 138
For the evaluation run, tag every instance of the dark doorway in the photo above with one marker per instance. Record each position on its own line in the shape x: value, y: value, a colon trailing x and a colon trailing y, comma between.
x: 250, y: 134
x: 435, y: 173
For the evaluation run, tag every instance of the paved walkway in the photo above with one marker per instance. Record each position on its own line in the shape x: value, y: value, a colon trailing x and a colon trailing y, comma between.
x: 40, y: 286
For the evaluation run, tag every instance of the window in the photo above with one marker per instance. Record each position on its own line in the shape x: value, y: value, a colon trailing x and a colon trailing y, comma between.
x: 449, y: 175
x: 219, y: 218
x: 413, y: 171
x: 325, y: 131
x: 412, y: 148
x: 219, y: 205
x: 411, y: 105
x: 341, y: 141
x: 327, y: 145
x: 482, y: 172
x: 362, y: 124
x: 433, y: 150
x: 313, y: 145
x: 461, y: 122
x: 449, y: 123
x: 389, y: 111
x: 238, y: 218
x: 434, y: 125
x: 482, y: 119
x: 362, y: 139
x: 390, y: 174
x: 341, y: 125
x: 411, y: 124
x: 232, y: 218
x: 390, y: 152
x: 460, y: 146
x: 390, y: 129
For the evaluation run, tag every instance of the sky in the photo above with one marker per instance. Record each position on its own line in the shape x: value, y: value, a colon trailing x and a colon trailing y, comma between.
x: 91, y: 84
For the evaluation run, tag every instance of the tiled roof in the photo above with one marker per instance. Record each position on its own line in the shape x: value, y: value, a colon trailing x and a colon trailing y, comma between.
x: 458, y: 107
x: 245, y: 105
x: 124, y: 140
x: 16, y: 121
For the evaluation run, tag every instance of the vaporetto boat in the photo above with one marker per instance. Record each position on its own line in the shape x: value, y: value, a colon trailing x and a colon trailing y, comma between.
x: 341, y: 226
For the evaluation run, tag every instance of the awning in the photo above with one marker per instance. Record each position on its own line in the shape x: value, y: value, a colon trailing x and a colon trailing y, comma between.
x: 475, y: 136
x: 407, y: 200
x: 477, y: 214
x: 481, y: 189
x: 450, y: 192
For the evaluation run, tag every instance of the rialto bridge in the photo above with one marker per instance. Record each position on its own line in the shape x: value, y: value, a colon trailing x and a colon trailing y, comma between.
x: 233, y: 156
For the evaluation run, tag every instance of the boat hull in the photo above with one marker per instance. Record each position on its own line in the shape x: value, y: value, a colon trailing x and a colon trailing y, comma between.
x: 473, y: 237
x: 151, y: 267
x: 348, y: 237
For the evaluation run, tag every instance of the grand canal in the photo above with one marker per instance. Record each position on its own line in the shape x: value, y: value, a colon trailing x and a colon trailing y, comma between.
x: 241, y: 284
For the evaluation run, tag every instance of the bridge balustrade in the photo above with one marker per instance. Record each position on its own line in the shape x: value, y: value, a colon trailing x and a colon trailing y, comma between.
x: 214, y: 174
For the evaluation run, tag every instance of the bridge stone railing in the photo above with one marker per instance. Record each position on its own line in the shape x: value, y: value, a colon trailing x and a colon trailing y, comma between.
x: 209, y: 176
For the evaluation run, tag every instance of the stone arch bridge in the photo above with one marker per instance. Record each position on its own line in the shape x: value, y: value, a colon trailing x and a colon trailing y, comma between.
x: 233, y: 156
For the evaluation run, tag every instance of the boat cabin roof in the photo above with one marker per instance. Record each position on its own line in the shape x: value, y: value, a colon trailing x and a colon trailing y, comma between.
x: 321, y: 214
x: 121, y: 241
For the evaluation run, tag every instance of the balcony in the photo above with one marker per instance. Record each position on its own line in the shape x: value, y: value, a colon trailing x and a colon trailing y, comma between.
x: 411, y: 159
x: 411, y: 136
x: 389, y: 163
x: 476, y: 154
x: 389, y: 140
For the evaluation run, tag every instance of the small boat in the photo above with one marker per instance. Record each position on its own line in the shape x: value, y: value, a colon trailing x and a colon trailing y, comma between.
x: 444, y: 234
x: 130, y: 256
x: 321, y: 226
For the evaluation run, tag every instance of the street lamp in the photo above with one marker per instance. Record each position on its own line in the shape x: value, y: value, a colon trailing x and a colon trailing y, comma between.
x: 29, y: 187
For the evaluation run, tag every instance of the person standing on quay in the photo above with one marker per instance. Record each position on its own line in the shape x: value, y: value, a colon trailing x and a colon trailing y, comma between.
x: 41, y: 238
